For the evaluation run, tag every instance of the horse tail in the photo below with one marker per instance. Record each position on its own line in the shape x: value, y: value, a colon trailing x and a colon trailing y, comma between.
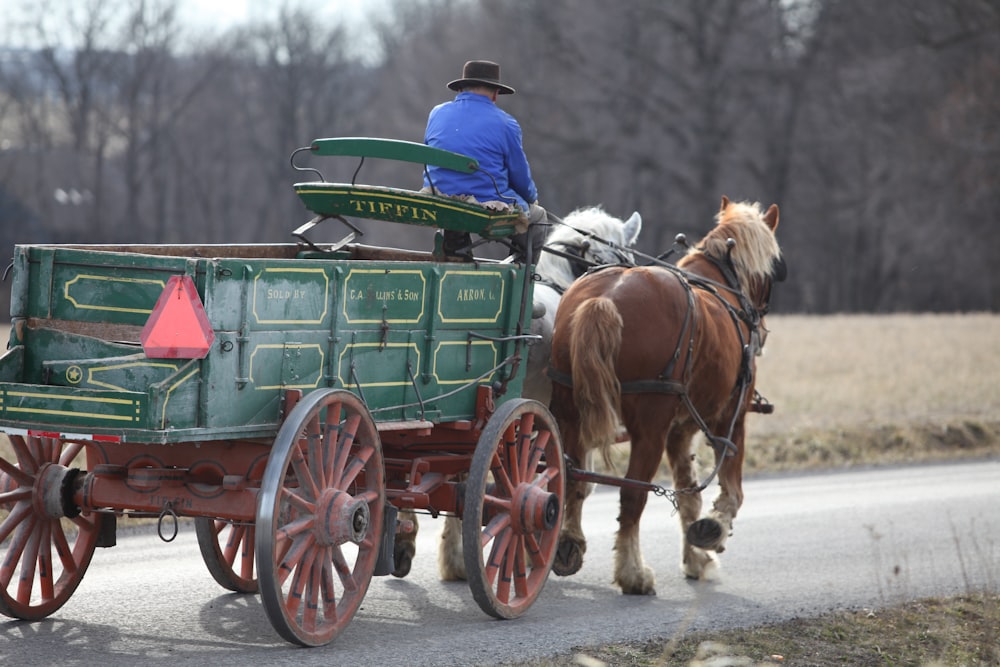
x: 595, y: 339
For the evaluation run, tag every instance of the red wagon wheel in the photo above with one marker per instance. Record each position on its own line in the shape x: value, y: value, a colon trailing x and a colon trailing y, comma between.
x: 227, y: 549
x: 43, y: 556
x: 513, y: 508
x: 319, y: 517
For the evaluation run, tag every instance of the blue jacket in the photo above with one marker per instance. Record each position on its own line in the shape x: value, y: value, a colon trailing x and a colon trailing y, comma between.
x: 473, y: 125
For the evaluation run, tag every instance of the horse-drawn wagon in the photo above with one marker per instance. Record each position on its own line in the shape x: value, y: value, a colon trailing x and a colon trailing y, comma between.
x: 301, y: 401
x: 290, y: 398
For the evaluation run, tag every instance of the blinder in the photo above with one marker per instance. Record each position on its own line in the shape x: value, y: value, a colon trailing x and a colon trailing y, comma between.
x: 779, y: 272
x: 779, y: 269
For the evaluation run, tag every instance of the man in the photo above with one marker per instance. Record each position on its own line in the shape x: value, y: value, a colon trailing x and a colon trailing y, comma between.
x: 472, y: 124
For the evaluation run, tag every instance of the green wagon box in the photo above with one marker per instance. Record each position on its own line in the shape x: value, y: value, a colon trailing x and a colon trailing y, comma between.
x: 413, y: 339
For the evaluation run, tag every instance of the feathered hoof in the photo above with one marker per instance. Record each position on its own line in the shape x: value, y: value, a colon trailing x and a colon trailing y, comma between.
x: 705, y: 534
x: 569, y: 558
x: 642, y: 582
x: 402, y: 556
x: 451, y: 572
x: 701, y: 567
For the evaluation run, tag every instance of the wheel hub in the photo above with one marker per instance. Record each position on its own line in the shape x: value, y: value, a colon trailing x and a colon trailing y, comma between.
x: 340, y: 518
x: 534, y: 509
x: 53, y: 491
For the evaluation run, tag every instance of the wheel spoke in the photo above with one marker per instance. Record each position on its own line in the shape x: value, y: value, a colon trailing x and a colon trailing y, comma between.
x: 28, y: 562
x: 523, y: 447
x: 333, y: 438
x: 313, y: 588
x: 534, y: 550
x: 497, y: 552
x: 508, y: 455
x: 247, y: 555
x: 11, y: 497
x: 535, y: 457
x: 345, y: 443
x: 546, y: 478
x: 354, y: 468
x: 296, y: 501
x: 495, y: 527
x: 315, y: 445
x: 240, y: 544
x: 520, y: 574
x: 63, y: 549
x: 86, y: 524
x: 15, y: 550
x: 25, y: 458
x: 45, y: 453
x: 329, y: 590
x: 504, y: 484
x: 45, y: 583
x: 296, y: 528
x: 343, y: 569
x: 504, y: 566
x: 293, y: 560
x: 72, y: 450
x: 307, y: 484
x: 294, y: 600
x: 20, y: 476
x: 234, y: 542
x: 21, y: 511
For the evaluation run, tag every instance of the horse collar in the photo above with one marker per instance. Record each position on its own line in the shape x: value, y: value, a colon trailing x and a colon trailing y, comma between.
x: 749, y: 312
x: 725, y: 267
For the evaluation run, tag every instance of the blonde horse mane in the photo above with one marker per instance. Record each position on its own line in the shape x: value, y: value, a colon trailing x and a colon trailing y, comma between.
x: 756, y: 248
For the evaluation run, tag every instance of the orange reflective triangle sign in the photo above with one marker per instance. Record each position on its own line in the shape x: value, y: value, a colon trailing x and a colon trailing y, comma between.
x: 178, y: 327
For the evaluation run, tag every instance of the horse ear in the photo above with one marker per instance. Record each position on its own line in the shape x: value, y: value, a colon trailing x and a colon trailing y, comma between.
x: 771, y: 217
x: 725, y: 203
x: 632, y: 228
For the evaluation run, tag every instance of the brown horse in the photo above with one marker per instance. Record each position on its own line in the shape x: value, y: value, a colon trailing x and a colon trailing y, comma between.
x: 667, y: 352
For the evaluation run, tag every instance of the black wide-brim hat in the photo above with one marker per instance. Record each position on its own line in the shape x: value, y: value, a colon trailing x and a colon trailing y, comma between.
x: 481, y: 72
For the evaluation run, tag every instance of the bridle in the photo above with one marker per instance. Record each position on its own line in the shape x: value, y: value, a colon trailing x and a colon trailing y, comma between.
x: 576, y: 255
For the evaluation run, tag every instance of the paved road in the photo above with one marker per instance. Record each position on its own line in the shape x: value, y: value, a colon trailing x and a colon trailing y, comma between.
x: 803, y: 545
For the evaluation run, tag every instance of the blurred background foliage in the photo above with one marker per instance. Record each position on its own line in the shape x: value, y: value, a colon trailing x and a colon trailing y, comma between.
x: 874, y: 125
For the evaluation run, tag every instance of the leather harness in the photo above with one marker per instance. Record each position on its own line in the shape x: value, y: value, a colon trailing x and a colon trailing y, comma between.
x: 664, y: 383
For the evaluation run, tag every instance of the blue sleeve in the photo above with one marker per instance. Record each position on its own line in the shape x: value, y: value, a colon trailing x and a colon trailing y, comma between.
x: 517, y: 166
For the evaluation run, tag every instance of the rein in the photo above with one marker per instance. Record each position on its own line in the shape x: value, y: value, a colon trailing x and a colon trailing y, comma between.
x: 576, y: 255
x: 578, y: 263
x: 578, y: 258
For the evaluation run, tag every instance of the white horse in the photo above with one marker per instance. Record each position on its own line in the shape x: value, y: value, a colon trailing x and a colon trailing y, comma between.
x: 585, y: 238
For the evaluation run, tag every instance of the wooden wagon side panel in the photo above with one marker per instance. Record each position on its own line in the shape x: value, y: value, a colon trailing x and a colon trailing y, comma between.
x: 413, y: 339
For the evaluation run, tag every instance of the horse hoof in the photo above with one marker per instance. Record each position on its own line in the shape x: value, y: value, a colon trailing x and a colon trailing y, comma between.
x: 402, y: 557
x: 568, y: 560
x: 705, y: 534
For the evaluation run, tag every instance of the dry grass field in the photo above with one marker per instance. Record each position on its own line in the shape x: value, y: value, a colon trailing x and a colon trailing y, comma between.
x: 858, y: 389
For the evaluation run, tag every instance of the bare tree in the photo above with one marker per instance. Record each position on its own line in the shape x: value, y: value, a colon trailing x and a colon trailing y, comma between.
x: 871, y: 124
